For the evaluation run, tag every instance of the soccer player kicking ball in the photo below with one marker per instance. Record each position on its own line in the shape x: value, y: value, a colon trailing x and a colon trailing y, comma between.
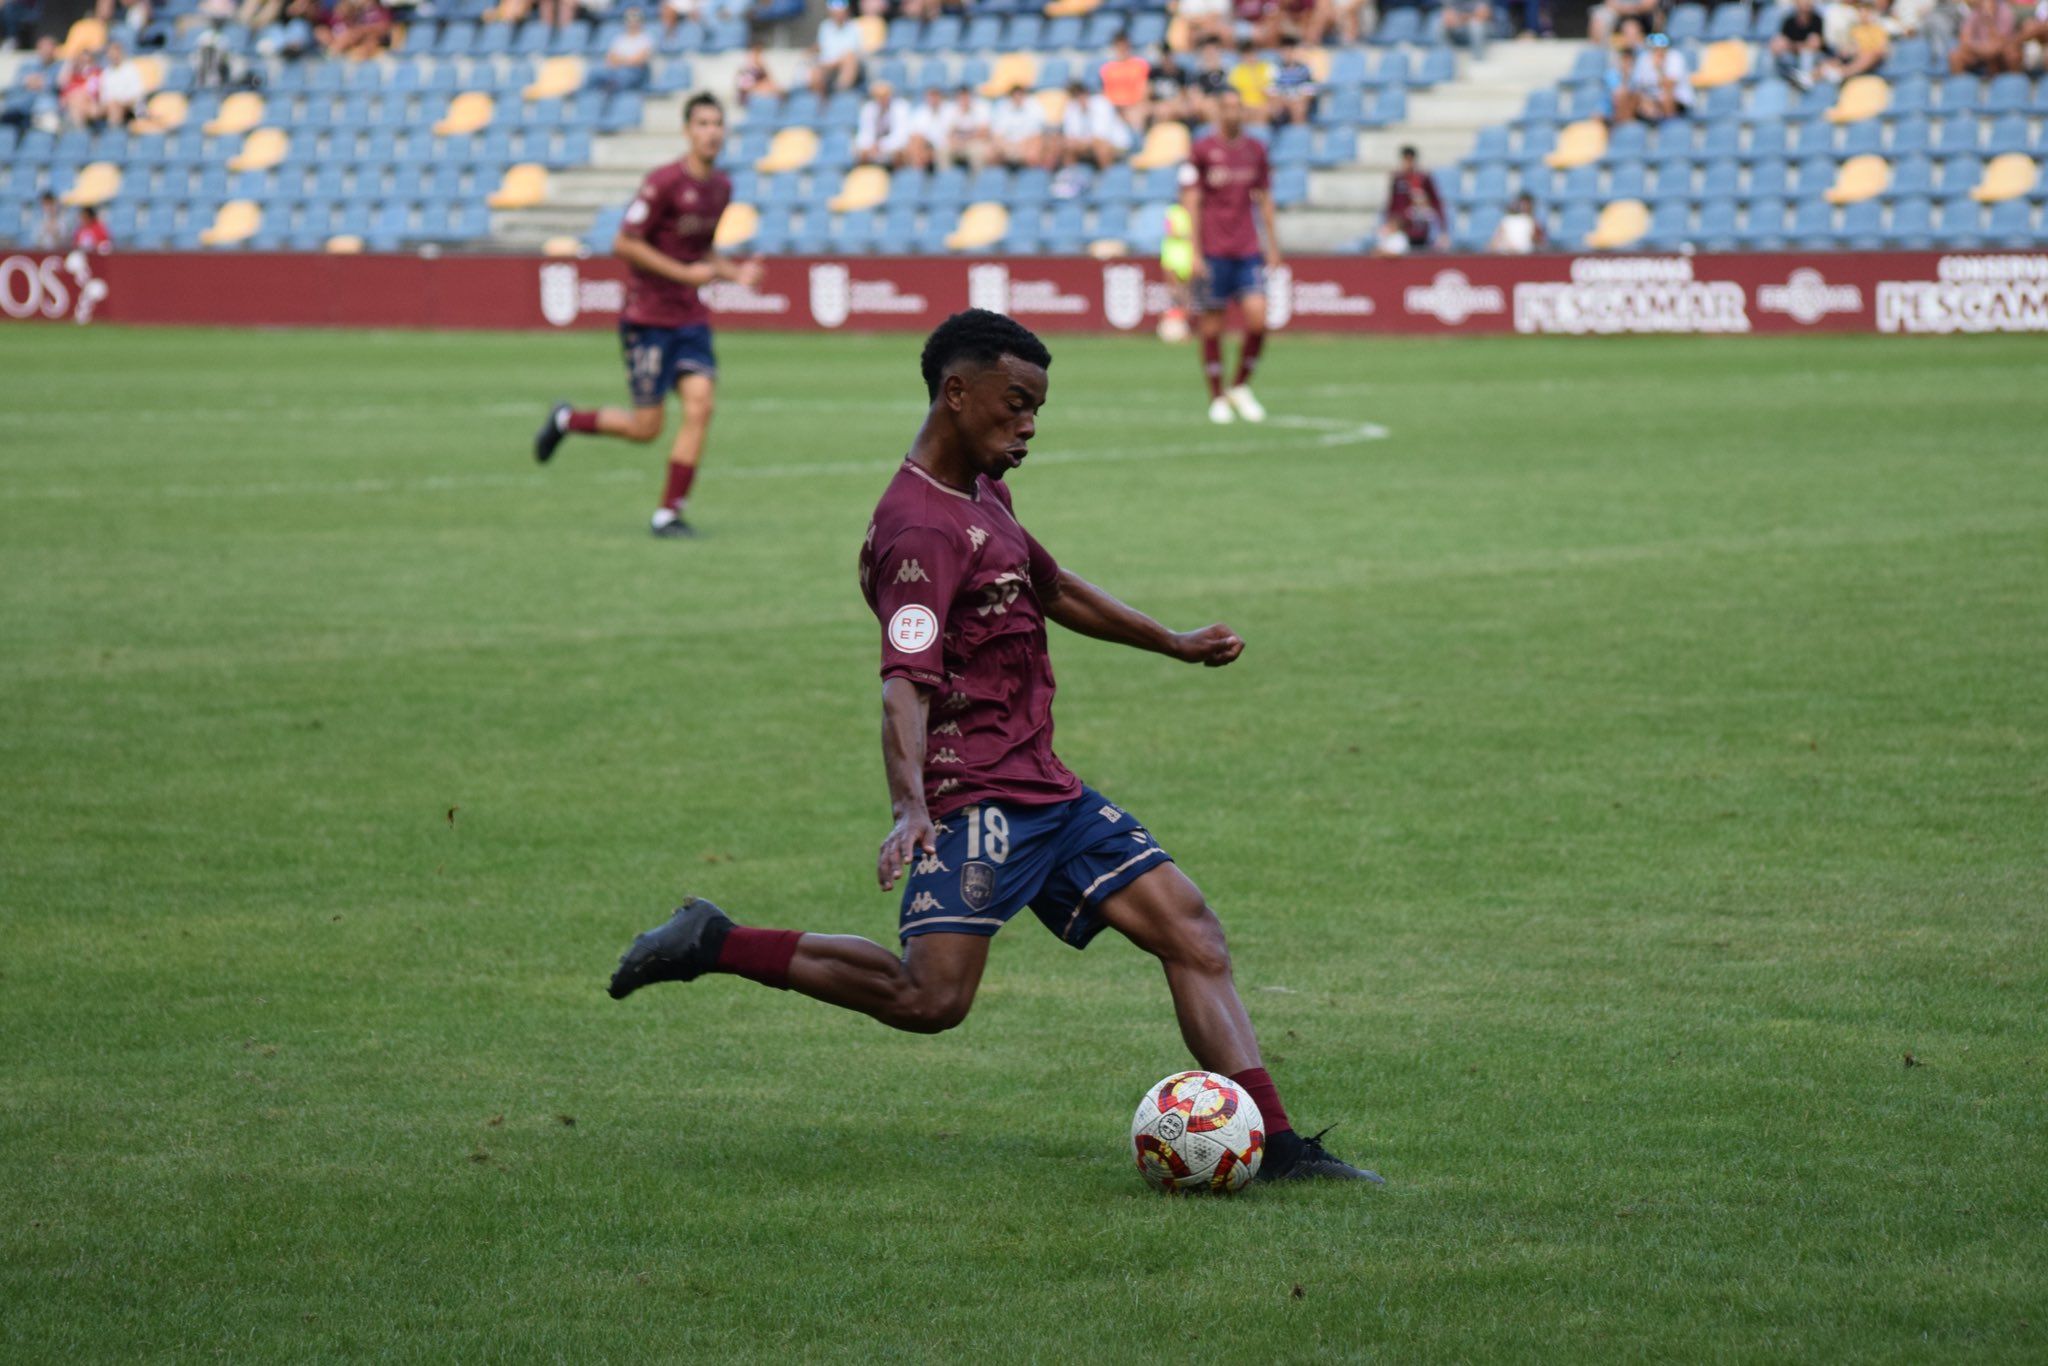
x: 988, y: 820
x: 665, y: 330
x: 1226, y: 175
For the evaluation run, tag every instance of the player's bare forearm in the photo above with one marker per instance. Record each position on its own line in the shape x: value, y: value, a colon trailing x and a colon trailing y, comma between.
x: 641, y: 256
x: 1191, y: 201
x: 1265, y: 201
x: 906, y: 712
x: 1086, y: 610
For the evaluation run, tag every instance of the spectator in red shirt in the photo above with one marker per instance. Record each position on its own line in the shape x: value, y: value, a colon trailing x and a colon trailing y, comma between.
x: 81, y: 93
x: 357, y: 28
x: 1126, y: 78
x: 91, y: 234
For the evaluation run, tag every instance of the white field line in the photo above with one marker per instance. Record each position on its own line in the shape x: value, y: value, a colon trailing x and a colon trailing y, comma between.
x: 1328, y: 432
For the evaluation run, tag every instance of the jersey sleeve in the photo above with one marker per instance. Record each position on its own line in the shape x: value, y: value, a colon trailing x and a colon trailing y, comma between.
x: 916, y: 578
x: 1191, y: 170
x: 1265, y: 180
x: 643, y: 214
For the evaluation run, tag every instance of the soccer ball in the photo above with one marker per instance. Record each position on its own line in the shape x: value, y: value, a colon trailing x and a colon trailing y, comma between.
x: 1198, y: 1131
x: 1173, y: 327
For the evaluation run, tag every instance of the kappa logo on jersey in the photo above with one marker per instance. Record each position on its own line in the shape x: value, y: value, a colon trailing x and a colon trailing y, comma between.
x: 560, y: 285
x: 977, y: 885
x: 913, y: 628
x: 998, y: 596
x: 912, y: 572
x: 947, y: 786
x: 976, y: 536
x: 948, y: 755
x: 1123, y: 296
x: 946, y: 728
x: 831, y: 293
x: 989, y: 287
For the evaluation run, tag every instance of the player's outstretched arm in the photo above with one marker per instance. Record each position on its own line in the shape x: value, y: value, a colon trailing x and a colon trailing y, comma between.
x: 1086, y: 610
x: 641, y: 256
x: 906, y: 711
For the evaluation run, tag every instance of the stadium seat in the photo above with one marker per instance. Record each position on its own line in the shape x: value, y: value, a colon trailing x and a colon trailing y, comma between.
x: 166, y: 111
x: 1013, y: 70
x: 2008, y: 94
x: 737, y: 226
x: 2011, y: 224
x: 236, y: 222
x: 1862, y: 226
x: 1958, y: 135
x: 1813, y: 224
x: 524, y: 186
x: 1579, y: 144
x: 1958, y: 222
x: 557, y: 77
x: 1911, y: 175
x: 1862, y: 139
x: 1864, y: 97
x: 863, y: 188
x: 1912, y: 224
x: 1911, y: 136
x: 95, y: 185
x: 84, y: 35
x: 1959, y: 174
x: 1621, y: 224
x: 2011, y: 176
x: 792, y: 150
x: 1166, y: 145
x: 1724, y: 63
x: 239, y: 113
x: 467, y: 113
x: 261, y: 150
x: 1717, y: 228
x: 2008, y: 135
x: 1763, y: 225
x: 1670, y: 226
x: 1397, y: 27
x: 982, y: 226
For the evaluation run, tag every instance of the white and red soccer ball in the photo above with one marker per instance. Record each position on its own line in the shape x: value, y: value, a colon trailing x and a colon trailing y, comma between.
x: 1198, y: 1131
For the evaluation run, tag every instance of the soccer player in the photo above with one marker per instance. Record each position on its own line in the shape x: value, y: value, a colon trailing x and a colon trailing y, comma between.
x: 665, y: 330
x: 987, y: 819
x: 1225, y: 178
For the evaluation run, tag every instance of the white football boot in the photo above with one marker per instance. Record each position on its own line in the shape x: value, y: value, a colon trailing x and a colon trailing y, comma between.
x: 1221, y: 412
x: 1248, y: 408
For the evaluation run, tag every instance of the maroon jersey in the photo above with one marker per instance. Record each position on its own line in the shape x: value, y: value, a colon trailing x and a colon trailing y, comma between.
x: 1227, y: 174
x: 956, y: 581
x: 676, y: 214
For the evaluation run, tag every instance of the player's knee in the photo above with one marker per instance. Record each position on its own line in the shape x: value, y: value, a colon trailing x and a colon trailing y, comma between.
x: 697, y: 408
x: 928, y: 1012
x: 644, y: 425
x: 1198, y: 942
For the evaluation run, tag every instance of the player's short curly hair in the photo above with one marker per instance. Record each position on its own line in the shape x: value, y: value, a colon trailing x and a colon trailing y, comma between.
x: 703, y: 99
x: 978, y: 335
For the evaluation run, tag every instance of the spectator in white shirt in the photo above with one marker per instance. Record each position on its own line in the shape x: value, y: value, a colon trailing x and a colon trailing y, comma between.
x: 1016, y: 126
x: 1091, y: 129
x: 122, y: 87
x: 884, y: 128
x: 839, y: 51
x: 626, y: 59
x: 967, y: 136
x: 928, y: 129
x: 1518, y: 232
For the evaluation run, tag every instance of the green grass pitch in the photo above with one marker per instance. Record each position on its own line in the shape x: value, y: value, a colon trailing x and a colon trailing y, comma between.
x: 1631, y: 816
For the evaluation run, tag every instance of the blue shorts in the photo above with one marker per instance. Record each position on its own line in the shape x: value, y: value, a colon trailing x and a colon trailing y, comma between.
x: 657, y: 358
x: 996, y: 858
x: 1229, y: 277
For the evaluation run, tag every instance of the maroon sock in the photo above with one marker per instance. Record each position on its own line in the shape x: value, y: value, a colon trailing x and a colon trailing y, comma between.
x: 679, y: 477
x: 583, y: 420
x: 1266, y: 1096
x: 763, y: 956
x: 1248, y: 359
x: 1212, y: 364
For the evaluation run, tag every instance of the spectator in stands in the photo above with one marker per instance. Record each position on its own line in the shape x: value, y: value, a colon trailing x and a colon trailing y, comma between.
x: 133, y: 15
x: 1251, y: 76
x: 1985, y: 46
x: 1207, y: 20
x: 1209, y: 80
x: 1301, y: 21
x: 1863, y: 45
x: 1519, y: 233
x: 1172, y: 94
x: 1800, y: 44
x: 754, y: 78
x: 1649, y: 80
x: 1415, y: 211
x: 883, y: 130
x: 122, y: 87
x: 1294, y: 88
x: 1091, y: 129
x: 1471, y: 21
x: 1017, y: 130
x: 927, y: 130
x: 356, y: 28
x: 1354, y: 18
x: 18, y: 23
x: 33, y: 98
x: 49, y: 233
x: 258, y: 14
x: 2033, y: 32
x: 627, y: 59
x: 1250, y: 18
x: 1604, y: 20
x: 80, y: 92
x: 1126, y: 81
x: 839, y: 52
x: 968, y: 140
x: 91, y: 235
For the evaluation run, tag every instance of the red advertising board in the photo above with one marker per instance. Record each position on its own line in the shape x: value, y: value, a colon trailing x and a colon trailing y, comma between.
x: 1889, y: 292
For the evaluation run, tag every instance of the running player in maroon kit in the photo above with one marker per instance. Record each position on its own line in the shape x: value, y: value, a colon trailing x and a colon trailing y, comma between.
x: 987, y: 819
x: 1226, y: 177
x: 665, y: 330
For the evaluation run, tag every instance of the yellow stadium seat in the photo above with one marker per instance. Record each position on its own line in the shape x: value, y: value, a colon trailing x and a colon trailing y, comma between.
x: 739, y: 223
x: 1863, y: 97
x: 167, y: 110
x: 1052, y: 104
x: 792, y: 150
x: 96, y: 184
x: 239, y: 113
x: 1109, y: 248
x: 1860, y: 178
x: 1062, y: 9
x: 1580, y: 144
x: 347, y: 244
x: 874, y: 31
x: 1317, y: 59
x: 261, y: 150
x: 558, y: 76
x: 237, y: 222
x: 2007, y: 177
x: 561, y: 246
x: 1013, y: 71
x: 524, y: 186
x: 1166, y: 144
x: 152, y: 69
x: 1722, y: 64
x: 863, y: 188
x: 85, y: 35
x: 467, y: 112
x: 981, y: 226
x: 1621, y: 224
x: 1177, y: 29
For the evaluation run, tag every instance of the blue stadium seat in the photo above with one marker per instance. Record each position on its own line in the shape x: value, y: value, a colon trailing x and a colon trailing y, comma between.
x: 1147, y: 29
x: 1910, y: 97
x: 1674, y: 181
x: 1816, y: 174
x: 1717, y: 229
x: 1909, y: 57
x: 899, y: 228
x: 1389, y: 107
x: 1727, y: 22
x: 1862, y: 139
x: 1958, y: 135
x: 1763, y: 225
x: 1540, y: 108
x: 1102, y: 27
x: 1290, y: 185
x: 1813, y: 223
x: 947, y: 191
x: 2008, y: 134
x: 1769, y: 179
x: 1030, y: 187
x: 1629, y: 142
x: 1113, y: 186
x: 1670, y: 225
x: 1721, y: 180
x: 1958, y: 223
x: 1911, y: 175
x: 1023, y: 33
x: 1958, y: 93
x: 2011, y: 224
x: 853, y: 232
x: 1687, y: 23
x: 1627, y: 181
x: 1814, y: 138
x: 1060, y: 33
x: 1862, y: 226
x: 1722, y: 138
x: 1397, y: 26
x: 1491, y: 146
x: 1590, y: 65
x: 1026, y: 233
x: 1960, y: 173
x: 1581, y: 185
x: 1912, y: 225
x: 1573, y: 223
x: 1911, y: 136
x: 2008, y: 94
x: 1439, y: 67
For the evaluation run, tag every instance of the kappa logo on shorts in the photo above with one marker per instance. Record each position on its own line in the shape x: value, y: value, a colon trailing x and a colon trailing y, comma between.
x: 977, y: 885
x: 913, y: 629
x: 922, y: 902
x: 930, y: 864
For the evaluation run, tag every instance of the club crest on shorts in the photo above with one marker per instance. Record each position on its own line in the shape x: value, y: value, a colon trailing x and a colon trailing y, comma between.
x: 977, y: 885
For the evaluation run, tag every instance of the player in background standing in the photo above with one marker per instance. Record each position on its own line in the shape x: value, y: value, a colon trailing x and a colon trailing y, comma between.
x: 665, y: 330
x: 1226, y: 177
x: 988, y: 820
